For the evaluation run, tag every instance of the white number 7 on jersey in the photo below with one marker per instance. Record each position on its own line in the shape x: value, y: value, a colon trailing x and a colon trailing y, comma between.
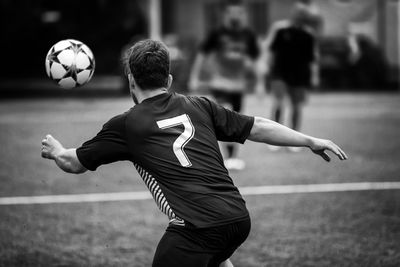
x: 183, y: 139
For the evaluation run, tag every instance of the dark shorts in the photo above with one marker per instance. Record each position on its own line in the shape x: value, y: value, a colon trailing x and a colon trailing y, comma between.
x: 279, y: 88
x: 293, y: 77
x: 204, y: 247
x: 233, y: 99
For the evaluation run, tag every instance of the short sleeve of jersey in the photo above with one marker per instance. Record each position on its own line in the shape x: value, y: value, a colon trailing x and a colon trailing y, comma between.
x: 230, y: 126
x: 108, y: 146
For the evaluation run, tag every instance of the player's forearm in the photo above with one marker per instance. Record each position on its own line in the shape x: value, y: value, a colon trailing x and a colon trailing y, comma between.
x: 273, y: 133
x: 68, y: 161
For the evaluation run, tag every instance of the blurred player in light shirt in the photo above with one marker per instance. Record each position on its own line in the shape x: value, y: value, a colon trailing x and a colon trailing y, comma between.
x: 226, y: 58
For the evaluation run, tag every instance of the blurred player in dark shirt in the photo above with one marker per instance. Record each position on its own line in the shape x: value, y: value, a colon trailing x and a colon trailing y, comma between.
x: 292, y: 61
x: 227, y: 55
x: 172, y: 141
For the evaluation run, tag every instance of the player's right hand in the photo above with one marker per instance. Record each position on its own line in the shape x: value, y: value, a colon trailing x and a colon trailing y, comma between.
x: 318, y: 146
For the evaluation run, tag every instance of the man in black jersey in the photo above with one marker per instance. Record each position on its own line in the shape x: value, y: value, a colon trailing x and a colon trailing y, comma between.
x: 227, y: 57
x: 172, y: 140
x: 292, y: 59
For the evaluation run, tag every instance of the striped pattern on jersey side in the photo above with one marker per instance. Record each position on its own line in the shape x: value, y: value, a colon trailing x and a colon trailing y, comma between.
x: 158, y: 196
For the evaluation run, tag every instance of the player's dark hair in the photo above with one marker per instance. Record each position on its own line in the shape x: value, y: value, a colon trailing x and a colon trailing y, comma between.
x: 149, y: 64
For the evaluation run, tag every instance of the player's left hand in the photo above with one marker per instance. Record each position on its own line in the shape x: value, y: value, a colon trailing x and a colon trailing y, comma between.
x: 319, y: 147
x: 51, y: 147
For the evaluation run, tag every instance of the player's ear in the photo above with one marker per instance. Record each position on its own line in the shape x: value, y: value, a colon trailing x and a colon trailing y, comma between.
x: 170, y: 79
x: 131, y: 81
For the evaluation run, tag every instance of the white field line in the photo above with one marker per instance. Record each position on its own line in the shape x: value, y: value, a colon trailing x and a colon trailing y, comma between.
x: 247, y: 191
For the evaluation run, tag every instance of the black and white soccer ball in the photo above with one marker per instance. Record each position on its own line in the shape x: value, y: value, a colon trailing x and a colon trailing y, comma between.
x: 70, y: 63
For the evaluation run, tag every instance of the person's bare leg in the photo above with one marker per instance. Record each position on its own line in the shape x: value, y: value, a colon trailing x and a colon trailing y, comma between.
x: 231, y: 150
x: 278, y: 90
x: 278, y: 97
x: 297, y: 99
x: 229, y: 147
x: 297, y: 112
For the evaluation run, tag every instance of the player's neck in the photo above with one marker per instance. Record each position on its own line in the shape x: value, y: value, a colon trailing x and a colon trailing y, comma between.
x: 145, y: 94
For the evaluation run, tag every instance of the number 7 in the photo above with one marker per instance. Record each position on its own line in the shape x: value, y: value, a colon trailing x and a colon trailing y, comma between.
x: 183, y: 139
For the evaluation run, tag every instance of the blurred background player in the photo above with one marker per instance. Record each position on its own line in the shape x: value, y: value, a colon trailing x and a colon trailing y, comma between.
x: 227, y: 55
x: 291, y: 54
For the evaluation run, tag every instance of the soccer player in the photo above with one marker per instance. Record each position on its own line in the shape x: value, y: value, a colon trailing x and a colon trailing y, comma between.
x: 172, y: 140
x: 228, y: 54
x: 292, y: 62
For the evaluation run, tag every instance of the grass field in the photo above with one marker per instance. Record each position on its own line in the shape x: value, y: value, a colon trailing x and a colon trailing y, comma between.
x: 318, y: 229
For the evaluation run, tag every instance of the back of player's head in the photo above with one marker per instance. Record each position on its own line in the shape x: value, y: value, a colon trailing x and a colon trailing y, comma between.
x: 149, y: 63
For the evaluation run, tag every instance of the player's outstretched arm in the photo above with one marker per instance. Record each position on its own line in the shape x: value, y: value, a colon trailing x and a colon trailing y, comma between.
x: 270, y: 132
x: 66, y: 159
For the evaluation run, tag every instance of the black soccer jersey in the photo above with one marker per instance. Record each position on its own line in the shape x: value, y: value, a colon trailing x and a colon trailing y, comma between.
x: 293, y: 49
x: 172, y: 141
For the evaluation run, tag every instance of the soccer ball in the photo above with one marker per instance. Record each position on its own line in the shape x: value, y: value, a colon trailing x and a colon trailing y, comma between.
x: 70, y: 63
